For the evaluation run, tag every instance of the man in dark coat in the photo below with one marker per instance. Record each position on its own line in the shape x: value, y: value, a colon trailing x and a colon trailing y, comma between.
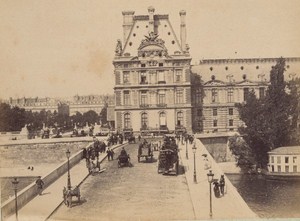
x: 222, y: 184
x: 39, y: 183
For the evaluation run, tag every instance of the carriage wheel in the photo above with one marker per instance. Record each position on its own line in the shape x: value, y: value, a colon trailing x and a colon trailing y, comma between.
x: 177, y: 168
x: 151, y: 159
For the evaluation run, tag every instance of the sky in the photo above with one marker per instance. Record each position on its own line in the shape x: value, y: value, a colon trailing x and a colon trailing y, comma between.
x: 60, y: 48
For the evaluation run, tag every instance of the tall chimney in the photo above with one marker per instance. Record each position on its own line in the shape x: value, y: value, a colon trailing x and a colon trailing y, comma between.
x: 127, y: 23
x: 151, y: 19
x: 182, y: 14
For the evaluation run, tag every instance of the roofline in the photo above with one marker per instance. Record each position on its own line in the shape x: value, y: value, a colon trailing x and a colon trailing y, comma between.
x: 246, y: 60
x: 146, y: 17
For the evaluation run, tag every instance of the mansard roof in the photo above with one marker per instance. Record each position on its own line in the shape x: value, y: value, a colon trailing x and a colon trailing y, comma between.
x: 255, y: 70
x: 139, y: 33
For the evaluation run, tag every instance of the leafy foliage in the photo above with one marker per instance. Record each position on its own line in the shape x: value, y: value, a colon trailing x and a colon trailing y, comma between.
x: 243, y: 153
x: 15, y: 118
x: 267, y: 121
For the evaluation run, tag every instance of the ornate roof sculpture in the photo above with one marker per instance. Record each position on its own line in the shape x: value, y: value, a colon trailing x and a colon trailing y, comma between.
x: 118, y: 50
x: 152, y: 46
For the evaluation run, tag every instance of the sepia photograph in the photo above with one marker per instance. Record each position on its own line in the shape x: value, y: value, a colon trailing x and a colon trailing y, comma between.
x: 149, y: 110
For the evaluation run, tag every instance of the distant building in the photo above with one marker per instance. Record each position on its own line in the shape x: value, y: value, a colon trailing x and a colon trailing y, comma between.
x: 284, y: 161
x: 35, y: 104
x: 68, y: 106
x: 86, y: 103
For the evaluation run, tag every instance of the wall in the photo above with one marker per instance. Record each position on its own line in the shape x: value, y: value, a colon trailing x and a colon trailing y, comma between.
x: 30, y: 192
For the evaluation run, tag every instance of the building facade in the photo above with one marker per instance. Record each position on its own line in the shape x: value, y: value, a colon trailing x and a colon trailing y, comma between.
x: 284, y: 161
x: 36, y: 104
x: 157, y: 89
x: 226, y: 82
x: 86, y: 103
x: 77, y: 103
x: 152, y: 75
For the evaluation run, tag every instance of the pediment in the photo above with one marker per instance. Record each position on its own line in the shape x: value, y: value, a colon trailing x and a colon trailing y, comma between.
x: 246, y: 82
x: 214, y: 83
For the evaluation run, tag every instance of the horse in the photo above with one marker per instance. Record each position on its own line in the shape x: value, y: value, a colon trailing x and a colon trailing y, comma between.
x: 68, y: 194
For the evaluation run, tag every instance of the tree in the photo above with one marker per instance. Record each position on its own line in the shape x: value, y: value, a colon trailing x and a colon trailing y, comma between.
x: 11, y: 119
x: 268, y: 120
x: 103, y: 114
x: 4, y: 114
x: 278, y: 108
x: 294, y: 87
x: 243, y: 153
x: 91, y: 117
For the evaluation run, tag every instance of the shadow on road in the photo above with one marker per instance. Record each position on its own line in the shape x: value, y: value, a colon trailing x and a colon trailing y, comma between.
x: 78, y: 203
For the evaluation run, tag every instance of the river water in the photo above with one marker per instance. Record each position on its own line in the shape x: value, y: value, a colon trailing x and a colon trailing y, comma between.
x: 268, y: 198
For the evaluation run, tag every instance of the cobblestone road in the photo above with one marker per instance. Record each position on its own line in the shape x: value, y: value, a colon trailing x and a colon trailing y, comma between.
x: 131, y: 193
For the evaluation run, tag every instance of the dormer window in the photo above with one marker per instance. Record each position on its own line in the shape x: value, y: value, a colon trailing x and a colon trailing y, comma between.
x: 143, y: 65
x: 161, y: 64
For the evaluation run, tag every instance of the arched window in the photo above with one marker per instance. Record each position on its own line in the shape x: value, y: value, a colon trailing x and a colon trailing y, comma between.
x: 127, y: 120
x: 180, y: 119
x: 162, y: 119
x: 144, y: 119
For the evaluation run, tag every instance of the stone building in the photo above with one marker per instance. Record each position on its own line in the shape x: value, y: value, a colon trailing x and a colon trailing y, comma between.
x: 152, y: 75
x: 227, y: 82
x: 156, y: 88
x: 85, y: 103
x: 67, y: 106
x: 35, y: 104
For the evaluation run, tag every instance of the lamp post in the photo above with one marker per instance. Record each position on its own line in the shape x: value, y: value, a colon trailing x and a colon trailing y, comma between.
x: 69, y: 179
x: 186, y: 149
x: 194, y: 151
x: 15, y: 183
x: 210, y: 177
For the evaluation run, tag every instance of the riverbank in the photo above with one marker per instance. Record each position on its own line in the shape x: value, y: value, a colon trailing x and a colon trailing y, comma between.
x: 268, y: 198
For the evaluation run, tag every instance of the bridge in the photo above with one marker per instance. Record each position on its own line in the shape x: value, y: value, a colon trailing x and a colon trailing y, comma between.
x: 137, y: 192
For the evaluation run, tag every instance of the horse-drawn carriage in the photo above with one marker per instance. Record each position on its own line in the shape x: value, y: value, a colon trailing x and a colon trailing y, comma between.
x: 168, y: 160
x: 69, y: 193
x: 123, y: 159
x: 145, y: 150
x: 131, y: 138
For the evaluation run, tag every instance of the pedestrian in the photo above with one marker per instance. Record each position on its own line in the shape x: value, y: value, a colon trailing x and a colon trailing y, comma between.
x: 39, y: 183
x: 222, y: 184
x: 216, y: 189
x: 207, y: 164
x: 108, y: 154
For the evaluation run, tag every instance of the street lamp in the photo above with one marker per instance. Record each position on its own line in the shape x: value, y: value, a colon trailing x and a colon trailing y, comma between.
x: 68, y: 153
x: 210, y: 177
x: 194, y: 151
x: 186, y: 149
x: 15, y: 185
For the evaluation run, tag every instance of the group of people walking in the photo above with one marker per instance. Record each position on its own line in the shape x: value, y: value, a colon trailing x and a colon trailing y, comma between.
x: 219, y: 187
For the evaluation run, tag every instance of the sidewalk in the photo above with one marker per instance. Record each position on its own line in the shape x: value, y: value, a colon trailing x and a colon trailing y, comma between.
x: 41, y: 207
x: 230, y: 206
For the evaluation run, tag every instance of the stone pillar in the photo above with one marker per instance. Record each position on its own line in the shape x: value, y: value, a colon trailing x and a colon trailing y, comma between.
x: 127, y: 23
x: 151, y: 19
x: 182, y: 14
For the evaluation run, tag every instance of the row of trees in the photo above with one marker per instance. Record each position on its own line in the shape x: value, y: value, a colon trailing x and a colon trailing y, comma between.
x: 15, y: 118
x: 269, y: 122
